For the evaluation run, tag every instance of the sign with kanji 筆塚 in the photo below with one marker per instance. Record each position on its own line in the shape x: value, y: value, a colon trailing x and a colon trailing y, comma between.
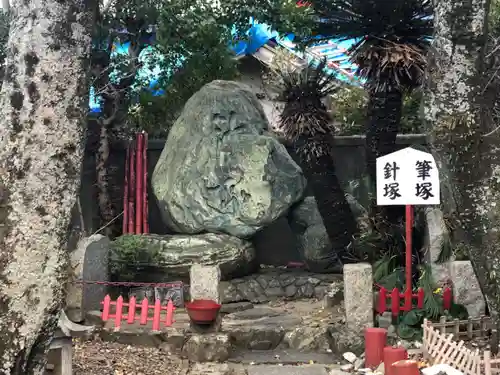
x: 407, y: 177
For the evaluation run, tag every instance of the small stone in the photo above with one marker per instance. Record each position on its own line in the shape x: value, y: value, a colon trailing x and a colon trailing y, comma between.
x: 384, y: 320
x: 359, y: 363
x: 418, y: 344
x: 348, y: 367
x: 350, y: 357
x: 380, y: 369
x: 441, y: 369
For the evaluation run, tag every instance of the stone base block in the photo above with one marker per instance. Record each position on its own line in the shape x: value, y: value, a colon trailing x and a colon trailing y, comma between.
x: 215, y: 347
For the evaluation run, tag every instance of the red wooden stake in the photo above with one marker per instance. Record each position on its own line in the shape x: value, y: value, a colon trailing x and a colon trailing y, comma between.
x: 156, y: 315
x: 170, y: 313
x: 382, y: 300
x: 420, y: 298
x: 409, y: 226
x: 131, y: 310
x: 105, y: 308
x: 447, y: 298
x: 138, y: 181
x: 131, y: 203
x: 125, y: 193
x: 119, y: 312
x: 395, y: 303
x: 145, y: 228
x: 144, y: 311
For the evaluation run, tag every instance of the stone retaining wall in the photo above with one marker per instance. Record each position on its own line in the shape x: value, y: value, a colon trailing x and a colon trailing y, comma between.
x: 272, y: 284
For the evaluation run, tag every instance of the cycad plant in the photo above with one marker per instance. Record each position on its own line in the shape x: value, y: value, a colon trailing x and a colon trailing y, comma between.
x: 392, y: 38
x: 306, y: 123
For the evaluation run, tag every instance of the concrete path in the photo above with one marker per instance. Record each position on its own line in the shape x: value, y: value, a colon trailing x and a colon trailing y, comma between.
x: 283, y: 357
x: 286, y: 370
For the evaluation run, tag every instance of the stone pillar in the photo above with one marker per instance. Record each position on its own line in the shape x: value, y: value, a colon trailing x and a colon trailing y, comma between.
x: 89, y: 262
x: 466, y: 288
x: 204, y: 282
x: 358, y: 296
x: 435, y: 233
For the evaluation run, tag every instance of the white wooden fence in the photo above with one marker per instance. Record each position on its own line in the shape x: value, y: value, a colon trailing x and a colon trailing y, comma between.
x: 442, y: 348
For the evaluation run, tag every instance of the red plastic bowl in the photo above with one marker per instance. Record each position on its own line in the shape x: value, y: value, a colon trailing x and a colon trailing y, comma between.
x: 202, y: 310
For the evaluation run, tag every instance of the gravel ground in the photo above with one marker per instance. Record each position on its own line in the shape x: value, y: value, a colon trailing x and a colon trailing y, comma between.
x: 105, y: 358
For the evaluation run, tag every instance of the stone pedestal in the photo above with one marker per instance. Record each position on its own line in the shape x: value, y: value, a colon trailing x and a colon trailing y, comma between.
x: 207, y: 348
x: 206, y: 328
x: 358, y: 296
x: 89, y: 263
x: 466, y: 288
x: 204, y: 282
x: 435, y: 233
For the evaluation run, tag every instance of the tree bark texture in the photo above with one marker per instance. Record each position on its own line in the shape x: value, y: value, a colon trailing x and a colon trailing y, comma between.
x: 465, y: 144
x: 44, y: 101
x: 383, y: 127
x: 315, y: 159
x: 385, y: 110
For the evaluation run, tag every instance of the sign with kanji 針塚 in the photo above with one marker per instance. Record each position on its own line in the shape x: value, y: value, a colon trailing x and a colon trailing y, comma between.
x: 407, y: 177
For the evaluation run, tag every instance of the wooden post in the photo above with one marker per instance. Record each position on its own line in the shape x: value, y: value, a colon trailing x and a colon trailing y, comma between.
x: 409, y: 228
x: 131, y: 310
x: 156, y: 315
x: 138, y: 185
x: 145, y: 206
x: 144, y: 311
x: 125, y: 192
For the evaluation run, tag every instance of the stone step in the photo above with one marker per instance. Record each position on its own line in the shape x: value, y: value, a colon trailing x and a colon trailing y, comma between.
x: 286, y: 370
x: 283, y: 357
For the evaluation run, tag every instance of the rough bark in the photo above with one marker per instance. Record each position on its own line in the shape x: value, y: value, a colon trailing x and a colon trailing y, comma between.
x: 384, y: 124
x: 466, y: 146
x: 41, y: 141
x: 339, y: 221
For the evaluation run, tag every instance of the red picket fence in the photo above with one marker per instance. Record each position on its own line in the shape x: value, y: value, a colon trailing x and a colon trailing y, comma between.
x: 407, y: 298
x: 130, y: 316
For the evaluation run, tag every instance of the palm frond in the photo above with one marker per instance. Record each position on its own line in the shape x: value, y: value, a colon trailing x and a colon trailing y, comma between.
x: 392, y: 37
x: 304, y: 113
x: 432, y: 302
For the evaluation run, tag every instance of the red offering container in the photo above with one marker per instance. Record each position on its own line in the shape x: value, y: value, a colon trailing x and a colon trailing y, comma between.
x: 406, y: 367
x: 375, y: 342
x: 202, y: 311
x: 393, y: 354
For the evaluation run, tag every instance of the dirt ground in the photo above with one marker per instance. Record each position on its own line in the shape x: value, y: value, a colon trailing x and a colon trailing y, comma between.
x: 105, y: 358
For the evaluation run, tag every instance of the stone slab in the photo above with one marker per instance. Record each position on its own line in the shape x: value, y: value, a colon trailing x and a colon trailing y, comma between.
x: 285, y: 356
x: 358, y: 295
x: 435, y: 233
x: 204, y: 282
x: 466, y: 287
x: 276, y: 283
x: 229, y: 308
x: 89, y: 262
x: 287, y: 370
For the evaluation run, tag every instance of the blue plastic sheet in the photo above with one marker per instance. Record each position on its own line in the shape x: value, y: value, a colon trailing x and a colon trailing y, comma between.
x: 258, y: 35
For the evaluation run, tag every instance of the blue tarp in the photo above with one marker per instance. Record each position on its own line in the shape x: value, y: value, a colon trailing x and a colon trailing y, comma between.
x: 258, y: 35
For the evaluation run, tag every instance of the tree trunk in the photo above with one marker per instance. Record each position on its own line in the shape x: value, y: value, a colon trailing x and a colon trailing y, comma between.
x: 385, y: 108
x: 44, y: 103
x: 315, y: 159
x: 466, y: 146
x: 383, y: 127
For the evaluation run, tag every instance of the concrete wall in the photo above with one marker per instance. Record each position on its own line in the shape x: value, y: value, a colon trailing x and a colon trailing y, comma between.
x: 348, y: 154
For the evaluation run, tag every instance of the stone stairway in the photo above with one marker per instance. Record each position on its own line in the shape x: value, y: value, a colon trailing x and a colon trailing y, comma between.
x: 267, y: 330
